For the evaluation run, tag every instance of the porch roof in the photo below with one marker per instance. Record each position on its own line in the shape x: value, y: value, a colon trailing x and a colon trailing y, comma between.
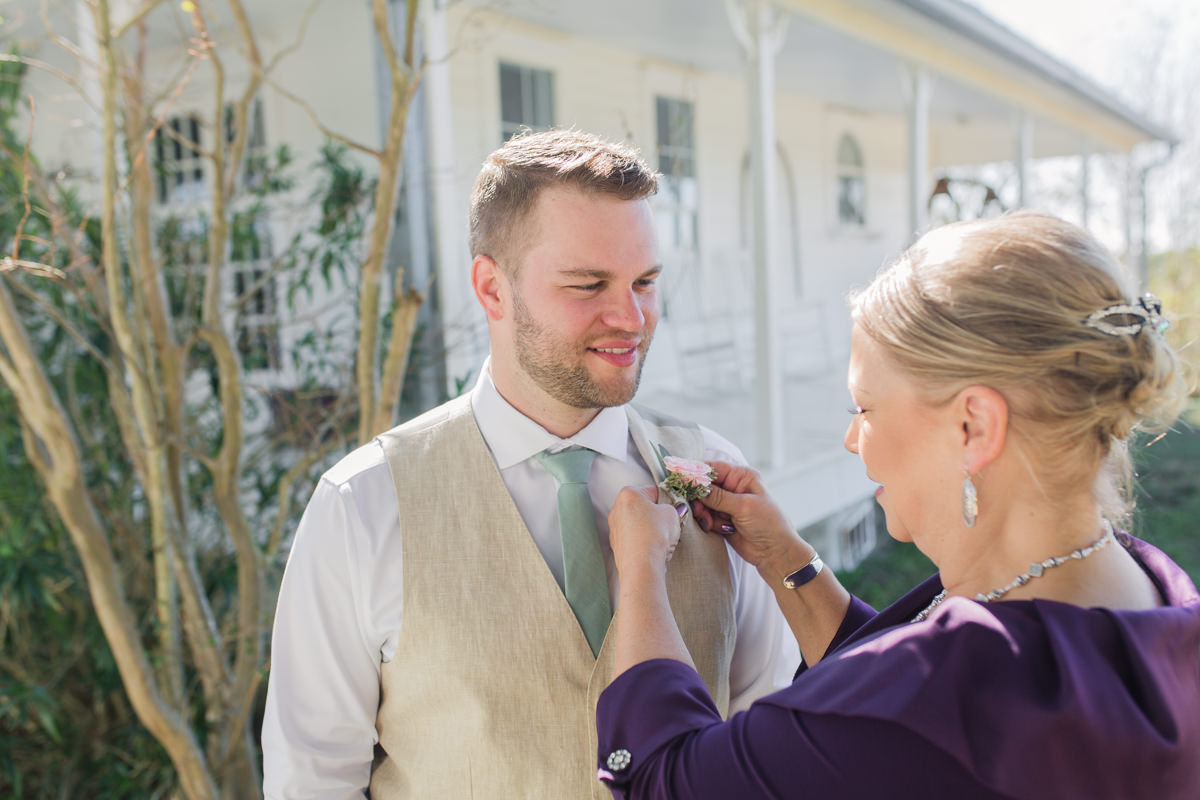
x: 977, y: 26
x: 848, y: 53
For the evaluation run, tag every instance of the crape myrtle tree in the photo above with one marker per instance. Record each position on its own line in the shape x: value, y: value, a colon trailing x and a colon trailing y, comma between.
x: 128, y: 393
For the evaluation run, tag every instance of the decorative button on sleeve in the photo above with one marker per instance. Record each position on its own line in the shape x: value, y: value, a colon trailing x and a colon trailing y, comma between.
x: 619, y: 760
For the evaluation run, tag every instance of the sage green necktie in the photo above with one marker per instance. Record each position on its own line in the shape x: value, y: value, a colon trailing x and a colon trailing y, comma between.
x: 585, y: 580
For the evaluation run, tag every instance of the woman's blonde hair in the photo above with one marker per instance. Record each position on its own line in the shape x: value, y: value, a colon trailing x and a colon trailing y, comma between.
x: 1003, y: 302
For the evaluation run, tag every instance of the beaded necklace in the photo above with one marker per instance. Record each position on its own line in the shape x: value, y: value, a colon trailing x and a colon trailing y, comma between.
x: 1036, y: 570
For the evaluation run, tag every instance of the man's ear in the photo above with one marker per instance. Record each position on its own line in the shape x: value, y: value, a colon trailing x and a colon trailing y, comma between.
x: 491, y: 287
x: 982, y: 413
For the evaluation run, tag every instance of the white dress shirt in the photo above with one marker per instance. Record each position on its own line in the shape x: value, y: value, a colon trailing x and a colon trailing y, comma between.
x: 339, y: 611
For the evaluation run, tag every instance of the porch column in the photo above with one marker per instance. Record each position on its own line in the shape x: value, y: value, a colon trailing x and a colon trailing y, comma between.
x: 1143, y: 175
x: 917, y: 91
x: 1085, y: 180
x: 1024, y: 147
x: 89, y: 81
x: 760, y: 28
x: 1127, y: 214
x: 452, y: 262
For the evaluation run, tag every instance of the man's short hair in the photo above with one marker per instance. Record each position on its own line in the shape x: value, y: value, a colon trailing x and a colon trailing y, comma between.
x: 512, y: 178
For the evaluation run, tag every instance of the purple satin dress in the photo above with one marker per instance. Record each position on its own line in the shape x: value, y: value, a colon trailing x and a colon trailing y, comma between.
x: 1013, y: 699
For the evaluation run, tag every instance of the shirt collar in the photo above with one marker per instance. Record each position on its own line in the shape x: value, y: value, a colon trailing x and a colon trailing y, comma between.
x: 513, y: 437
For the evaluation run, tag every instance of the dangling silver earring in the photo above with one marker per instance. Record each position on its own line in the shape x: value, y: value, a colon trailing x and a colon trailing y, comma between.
x: 970, y: 500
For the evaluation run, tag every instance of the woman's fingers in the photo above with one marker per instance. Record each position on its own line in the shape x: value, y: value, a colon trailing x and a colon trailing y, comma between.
x: 649, y: 492
x: 737, y: 479
x: 719, y: 499
x: 710, y: 520
x: 639, y: 526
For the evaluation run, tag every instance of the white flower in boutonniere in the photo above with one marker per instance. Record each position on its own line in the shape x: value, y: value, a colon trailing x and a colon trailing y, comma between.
x: 687, y: 479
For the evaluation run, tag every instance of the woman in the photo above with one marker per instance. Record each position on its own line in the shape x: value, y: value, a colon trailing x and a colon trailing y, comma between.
x: 997, y: 370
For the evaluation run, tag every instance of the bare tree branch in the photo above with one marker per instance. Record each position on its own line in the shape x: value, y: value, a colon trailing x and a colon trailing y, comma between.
x: 10, y: 264
x: 176, y: 737
x: 402, y: 80
x: 137, y: 17
x: 55, y: 71
x: 63, y: 323
x: 286, y: 483
x: 301, y: 33
x: 62, y: 474
x: 248, y: 645
x: 326, y: 131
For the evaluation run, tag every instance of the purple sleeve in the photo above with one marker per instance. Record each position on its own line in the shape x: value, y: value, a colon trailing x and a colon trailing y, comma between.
x: 668, y: 699
x: 690, y: 705
x: 857, y: 615
x: 676, y: 747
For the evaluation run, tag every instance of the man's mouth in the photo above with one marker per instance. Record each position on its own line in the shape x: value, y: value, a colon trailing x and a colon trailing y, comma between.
x: 625, y: 356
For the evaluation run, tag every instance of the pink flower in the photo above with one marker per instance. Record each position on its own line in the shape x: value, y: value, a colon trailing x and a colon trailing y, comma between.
x: 687, y: 478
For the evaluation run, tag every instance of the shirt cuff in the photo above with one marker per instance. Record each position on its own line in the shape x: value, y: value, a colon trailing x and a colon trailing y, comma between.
x: 645, y: 708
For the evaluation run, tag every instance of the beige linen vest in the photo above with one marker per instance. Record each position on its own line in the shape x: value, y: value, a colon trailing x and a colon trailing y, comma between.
x: 492, y: 692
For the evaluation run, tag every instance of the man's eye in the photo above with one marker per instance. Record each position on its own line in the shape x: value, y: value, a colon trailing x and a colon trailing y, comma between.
x: 588, y: 287
x: 647, y: 283
x: 856, y: 410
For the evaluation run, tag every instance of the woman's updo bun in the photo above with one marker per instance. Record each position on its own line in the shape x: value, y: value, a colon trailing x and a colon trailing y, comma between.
x: 1005, y: 302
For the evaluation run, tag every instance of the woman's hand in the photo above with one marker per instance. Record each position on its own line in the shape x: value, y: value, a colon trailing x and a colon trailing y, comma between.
x: 740, y: 508
x: 642, y: 531
x: 643, y: 534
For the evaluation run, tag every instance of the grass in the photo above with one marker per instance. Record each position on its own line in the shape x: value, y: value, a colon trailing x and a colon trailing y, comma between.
x: 1167, y: 516
x: 1168, y: 499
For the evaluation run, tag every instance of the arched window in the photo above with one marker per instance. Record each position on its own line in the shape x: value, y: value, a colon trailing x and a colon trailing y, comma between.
x: 851, y: 183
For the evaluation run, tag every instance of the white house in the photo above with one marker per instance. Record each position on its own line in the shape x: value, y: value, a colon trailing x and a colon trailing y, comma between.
x: 802, y: 143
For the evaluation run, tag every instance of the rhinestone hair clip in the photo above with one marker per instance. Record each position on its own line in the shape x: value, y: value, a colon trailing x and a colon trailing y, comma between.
x: 1147, y: 312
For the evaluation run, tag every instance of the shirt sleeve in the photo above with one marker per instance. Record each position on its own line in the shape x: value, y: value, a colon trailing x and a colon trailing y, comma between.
x: 765, y: 654
x: 323, y: 693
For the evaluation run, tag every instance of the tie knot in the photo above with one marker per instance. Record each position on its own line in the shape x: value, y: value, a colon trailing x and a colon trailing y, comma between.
x: 568, y: 466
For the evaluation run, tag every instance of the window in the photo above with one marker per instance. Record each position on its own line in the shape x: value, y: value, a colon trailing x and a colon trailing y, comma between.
x: 526, y: 99
x: 183, y: 242
x: 857, y: 534
x: 257, y: 324
x: 678, y: 195
x: 851, y: 183
x: 178, y: 164
x: 254, y: 160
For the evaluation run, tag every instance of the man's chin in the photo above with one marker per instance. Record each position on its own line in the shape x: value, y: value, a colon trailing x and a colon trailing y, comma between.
x: 622, y: 391
x: 607, y: 394
x: 603, y: 400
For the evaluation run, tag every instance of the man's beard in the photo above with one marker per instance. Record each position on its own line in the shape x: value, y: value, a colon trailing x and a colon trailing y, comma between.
x: 557, y: 367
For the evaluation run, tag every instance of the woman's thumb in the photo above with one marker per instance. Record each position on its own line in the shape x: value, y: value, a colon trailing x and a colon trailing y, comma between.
x: 719, y: 500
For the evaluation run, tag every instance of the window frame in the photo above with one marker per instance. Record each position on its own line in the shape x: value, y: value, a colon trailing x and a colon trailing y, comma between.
x: 851, y: 179
x: 178, y: 154
x: 678, y: 199
x: 256, y: 315
x: 536, y: 97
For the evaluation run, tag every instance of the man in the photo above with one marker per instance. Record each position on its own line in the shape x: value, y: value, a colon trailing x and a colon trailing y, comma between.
x: 435, y: 637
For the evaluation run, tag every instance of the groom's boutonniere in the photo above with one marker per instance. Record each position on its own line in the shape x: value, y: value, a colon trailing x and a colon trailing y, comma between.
x: 687, y: 479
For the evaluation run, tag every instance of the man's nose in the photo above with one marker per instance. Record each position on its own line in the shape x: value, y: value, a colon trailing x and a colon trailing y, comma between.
x: 626, y: 313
